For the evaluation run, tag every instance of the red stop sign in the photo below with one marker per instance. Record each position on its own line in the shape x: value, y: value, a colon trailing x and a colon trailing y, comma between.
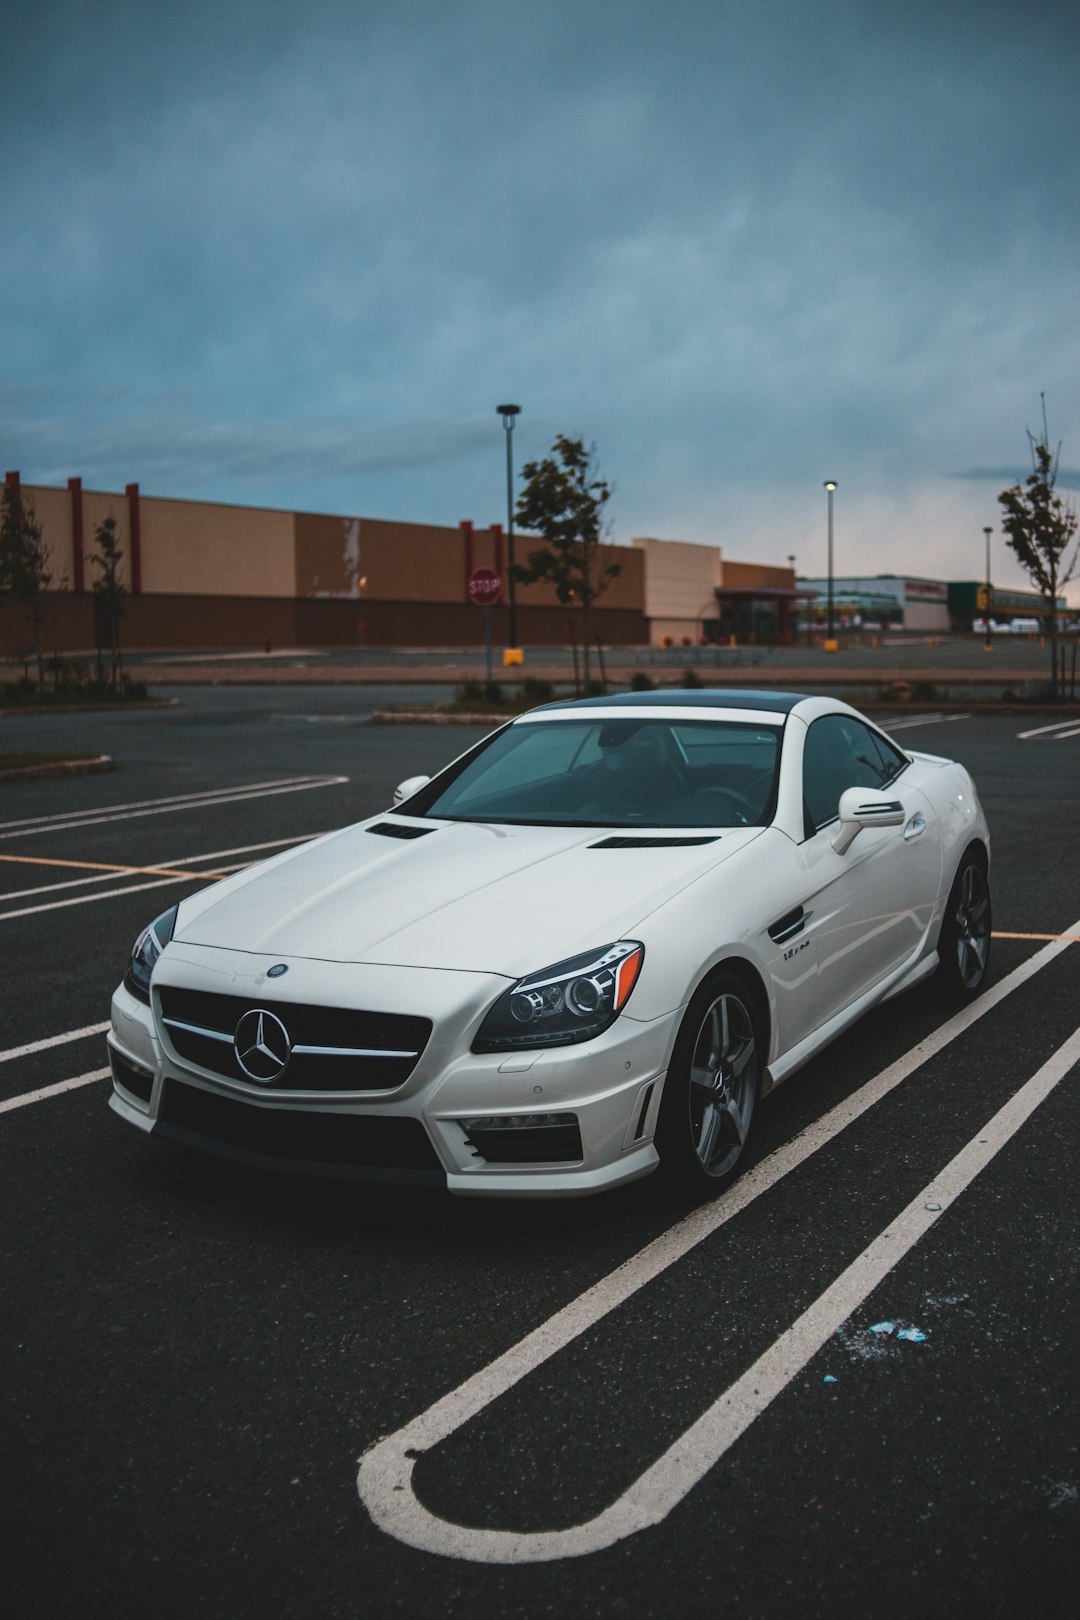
x: 485, y: 587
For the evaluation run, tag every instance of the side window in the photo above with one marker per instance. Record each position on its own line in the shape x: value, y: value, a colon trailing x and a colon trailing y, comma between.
x: 892, y: 760
x: 840, y: 752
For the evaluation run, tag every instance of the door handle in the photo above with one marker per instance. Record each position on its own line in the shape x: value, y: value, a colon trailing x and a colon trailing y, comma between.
x: 915, y: 828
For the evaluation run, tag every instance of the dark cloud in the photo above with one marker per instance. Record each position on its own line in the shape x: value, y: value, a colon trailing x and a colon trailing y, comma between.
x: 270, y: 253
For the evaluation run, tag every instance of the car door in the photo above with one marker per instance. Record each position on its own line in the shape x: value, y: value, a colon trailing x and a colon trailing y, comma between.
x: 872, y: 903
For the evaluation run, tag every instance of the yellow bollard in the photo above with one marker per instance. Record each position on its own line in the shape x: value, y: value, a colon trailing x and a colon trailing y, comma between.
x: 512, y: 655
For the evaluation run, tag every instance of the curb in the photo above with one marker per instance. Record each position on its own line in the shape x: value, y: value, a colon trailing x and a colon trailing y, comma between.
x: 24, y: 710
x: 60, y: 767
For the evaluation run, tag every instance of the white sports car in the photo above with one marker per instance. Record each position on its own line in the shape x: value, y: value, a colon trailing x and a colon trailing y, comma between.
x: 578, y: 955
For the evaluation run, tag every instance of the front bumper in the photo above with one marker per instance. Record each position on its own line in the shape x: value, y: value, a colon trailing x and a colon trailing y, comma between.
x: 479, y: 1124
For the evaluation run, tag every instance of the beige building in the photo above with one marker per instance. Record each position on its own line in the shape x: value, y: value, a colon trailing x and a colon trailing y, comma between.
x: 202, y: 574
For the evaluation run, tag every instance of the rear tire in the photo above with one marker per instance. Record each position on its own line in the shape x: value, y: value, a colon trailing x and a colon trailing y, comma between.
x: 964, y: 944
x: 711, y: 1089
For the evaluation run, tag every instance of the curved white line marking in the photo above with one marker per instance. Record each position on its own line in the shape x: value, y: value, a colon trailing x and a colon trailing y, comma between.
x: 384, y: 1479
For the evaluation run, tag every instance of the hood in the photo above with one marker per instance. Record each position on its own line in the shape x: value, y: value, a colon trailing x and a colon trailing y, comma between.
x: 490, y: 899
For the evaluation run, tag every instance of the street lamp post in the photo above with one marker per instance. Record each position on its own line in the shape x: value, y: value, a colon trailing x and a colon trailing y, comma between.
x: 509, y: 414
x: 794, y: 603
x: 988, y: 645
x: 830, y: 644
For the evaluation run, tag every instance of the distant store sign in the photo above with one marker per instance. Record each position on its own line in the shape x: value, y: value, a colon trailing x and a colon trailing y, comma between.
x: 484, y: 587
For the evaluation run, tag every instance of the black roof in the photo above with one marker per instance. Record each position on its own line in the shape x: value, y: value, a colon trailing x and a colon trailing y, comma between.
x: 692, y: 698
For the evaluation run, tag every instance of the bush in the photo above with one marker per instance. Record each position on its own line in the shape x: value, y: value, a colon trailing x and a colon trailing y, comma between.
x: 640, y: 682
x: 692, y: 680
x: 470, y: 695
x: 535, y: 692
x: 594, y: 689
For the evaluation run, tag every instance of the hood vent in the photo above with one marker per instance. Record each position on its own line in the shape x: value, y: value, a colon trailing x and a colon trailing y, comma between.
x: 652, y: 843
x: 391, y: 829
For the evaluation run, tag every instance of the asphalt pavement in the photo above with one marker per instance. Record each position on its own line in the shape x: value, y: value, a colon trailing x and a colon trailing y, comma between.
x: 871, y: 1402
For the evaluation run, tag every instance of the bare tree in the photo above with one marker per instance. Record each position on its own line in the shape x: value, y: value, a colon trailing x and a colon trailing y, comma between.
x: 24, y: 563
x: 563, y: 500
x: 1040, y: 527
x: 109, y: 593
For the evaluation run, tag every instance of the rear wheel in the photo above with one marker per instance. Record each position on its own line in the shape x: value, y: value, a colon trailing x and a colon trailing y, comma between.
x: 964, y: 946
x: 711, y: 1088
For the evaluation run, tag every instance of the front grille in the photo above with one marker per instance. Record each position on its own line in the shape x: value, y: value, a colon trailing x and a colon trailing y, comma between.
x: 371, y: 1147
x: 356, y: 1051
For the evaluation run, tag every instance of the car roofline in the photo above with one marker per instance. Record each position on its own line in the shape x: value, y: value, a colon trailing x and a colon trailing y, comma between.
x: 757, y: 699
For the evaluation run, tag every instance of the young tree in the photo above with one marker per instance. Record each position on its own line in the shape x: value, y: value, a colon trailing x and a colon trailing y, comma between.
x: 24, y: 563
x: 1040, y: 527
x: 109, y: 593
x: 563, y: 500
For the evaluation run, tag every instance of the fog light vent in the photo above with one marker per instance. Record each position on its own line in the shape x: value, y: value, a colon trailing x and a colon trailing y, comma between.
x: 131, y: 1076
x: 524, y: 1138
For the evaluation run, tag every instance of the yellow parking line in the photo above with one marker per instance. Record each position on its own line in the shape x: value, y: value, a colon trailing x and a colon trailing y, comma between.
x: 1073, y: 939
x: 99, y: 866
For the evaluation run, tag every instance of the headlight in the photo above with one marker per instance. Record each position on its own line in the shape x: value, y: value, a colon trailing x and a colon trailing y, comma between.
x: 145, y: 952
x: 571, y: 1001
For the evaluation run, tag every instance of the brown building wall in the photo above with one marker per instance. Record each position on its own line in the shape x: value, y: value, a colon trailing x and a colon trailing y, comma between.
x: 231, y: 621
x: 739, y: 573
x: 193, y: 548
x: 68, y: 626
x: 421, y: 624
x: 217, y: 576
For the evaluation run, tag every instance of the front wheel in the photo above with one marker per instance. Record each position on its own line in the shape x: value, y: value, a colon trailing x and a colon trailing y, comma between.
x: 711, y: 1088
x: 964, y: 946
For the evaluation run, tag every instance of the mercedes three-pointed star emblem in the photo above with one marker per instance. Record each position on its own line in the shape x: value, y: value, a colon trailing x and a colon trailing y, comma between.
x: 262, y: 1046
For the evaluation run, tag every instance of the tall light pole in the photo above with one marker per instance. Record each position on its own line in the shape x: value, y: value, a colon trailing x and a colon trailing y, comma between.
x: 794, y: 603
x: 988, y: 645
x: 509, y: 414
x: 830, y: 644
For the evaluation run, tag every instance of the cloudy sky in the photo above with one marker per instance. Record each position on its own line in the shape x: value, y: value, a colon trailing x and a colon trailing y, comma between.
x: 295, y: 254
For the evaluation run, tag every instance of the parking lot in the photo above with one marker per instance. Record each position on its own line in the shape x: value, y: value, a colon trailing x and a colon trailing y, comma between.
x: 848, y: 1384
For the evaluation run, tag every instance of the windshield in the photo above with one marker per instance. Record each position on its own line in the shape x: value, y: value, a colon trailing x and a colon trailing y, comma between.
x: 603, y: 772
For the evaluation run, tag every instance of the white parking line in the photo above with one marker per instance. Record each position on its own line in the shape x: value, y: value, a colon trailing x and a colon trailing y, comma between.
x: 89, y: 899
x: 53, y: 1091
x: 160, y: 807
x: 384, y: 1479
x: 923, y: 720
x: 53, y: 1040
x: 183, y: 860
x: 1041, y: 731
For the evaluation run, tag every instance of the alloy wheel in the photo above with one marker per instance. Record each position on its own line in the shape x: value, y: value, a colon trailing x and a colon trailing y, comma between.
x: 723, y: 1085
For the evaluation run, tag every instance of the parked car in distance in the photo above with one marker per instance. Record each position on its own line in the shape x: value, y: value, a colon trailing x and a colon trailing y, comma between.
x: 579, y: 955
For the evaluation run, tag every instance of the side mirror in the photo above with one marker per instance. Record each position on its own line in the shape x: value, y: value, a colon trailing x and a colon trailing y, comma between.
x: 406, y: 789
x: 859, y: 808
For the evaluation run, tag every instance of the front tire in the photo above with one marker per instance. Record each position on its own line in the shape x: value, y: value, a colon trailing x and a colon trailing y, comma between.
x: 711, y: 1089
x: 964, y: 945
